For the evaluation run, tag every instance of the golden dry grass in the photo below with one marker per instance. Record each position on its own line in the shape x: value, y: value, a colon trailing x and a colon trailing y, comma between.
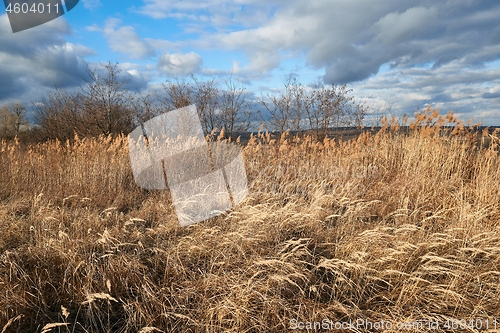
x: 395, y: 227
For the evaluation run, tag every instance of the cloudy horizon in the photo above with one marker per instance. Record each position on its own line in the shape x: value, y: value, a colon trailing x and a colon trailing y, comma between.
x: 397, y: 55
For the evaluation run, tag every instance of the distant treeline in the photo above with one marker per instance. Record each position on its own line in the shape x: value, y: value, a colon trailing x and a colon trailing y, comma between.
x: 102, y: 106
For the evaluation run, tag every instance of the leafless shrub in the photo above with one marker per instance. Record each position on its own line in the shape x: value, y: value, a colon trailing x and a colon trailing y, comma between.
x: 101, y: 107
x: 316, y: 108
x: 219, y: 108
x: 12, y: 118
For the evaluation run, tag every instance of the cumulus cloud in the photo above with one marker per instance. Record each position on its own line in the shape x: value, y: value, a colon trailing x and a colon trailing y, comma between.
x: 350, y: 40
x: 180, y: 63
x: 38, y: 59
x: 399, y: 27
x: 431, y: 52
x: 134, y: 80
x: 124, y: 39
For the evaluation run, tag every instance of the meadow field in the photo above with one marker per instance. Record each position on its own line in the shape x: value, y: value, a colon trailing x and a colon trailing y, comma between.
x: 389, y: 232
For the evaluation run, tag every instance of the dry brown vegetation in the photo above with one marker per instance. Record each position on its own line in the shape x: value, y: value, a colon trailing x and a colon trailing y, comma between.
x: 394, y: 227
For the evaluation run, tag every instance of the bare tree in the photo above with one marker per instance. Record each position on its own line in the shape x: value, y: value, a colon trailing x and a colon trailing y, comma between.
x: 107, y: 105
x: 5, y: 122
x: 217, y: 108
x: 203, y: 94
x: 331, y: 106
x: 18, y: 111
x: 59, y: 115
x: 281, y: 106
x: 12, y: 118
x: 359, y: 111
x: 320, y: 107
x: 102, y: 106
x: 179, y: 94
x: 147, y: 106
x: 234, y: 109
x: 206, y: 98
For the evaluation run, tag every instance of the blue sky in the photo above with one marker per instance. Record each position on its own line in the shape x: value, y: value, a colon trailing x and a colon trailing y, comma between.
x: 397, y: 55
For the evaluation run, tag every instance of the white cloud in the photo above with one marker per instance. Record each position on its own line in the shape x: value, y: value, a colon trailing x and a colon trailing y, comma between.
x: 350, y: 40
x: 163, y: 45
x: 125, y: 40
x: 396, y: 28
x: 158, y: 9
x: 450, y: 87
x: 93, y: 28
x: 180, y: 63
x: 91, y: 4
x: 432, y: 52
x: 211, y: 13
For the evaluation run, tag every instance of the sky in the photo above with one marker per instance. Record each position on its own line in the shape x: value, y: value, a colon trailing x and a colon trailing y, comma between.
x: 398, y: 56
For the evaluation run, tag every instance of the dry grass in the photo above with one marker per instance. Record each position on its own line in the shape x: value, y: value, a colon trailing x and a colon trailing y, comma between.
x: 394, y: 227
